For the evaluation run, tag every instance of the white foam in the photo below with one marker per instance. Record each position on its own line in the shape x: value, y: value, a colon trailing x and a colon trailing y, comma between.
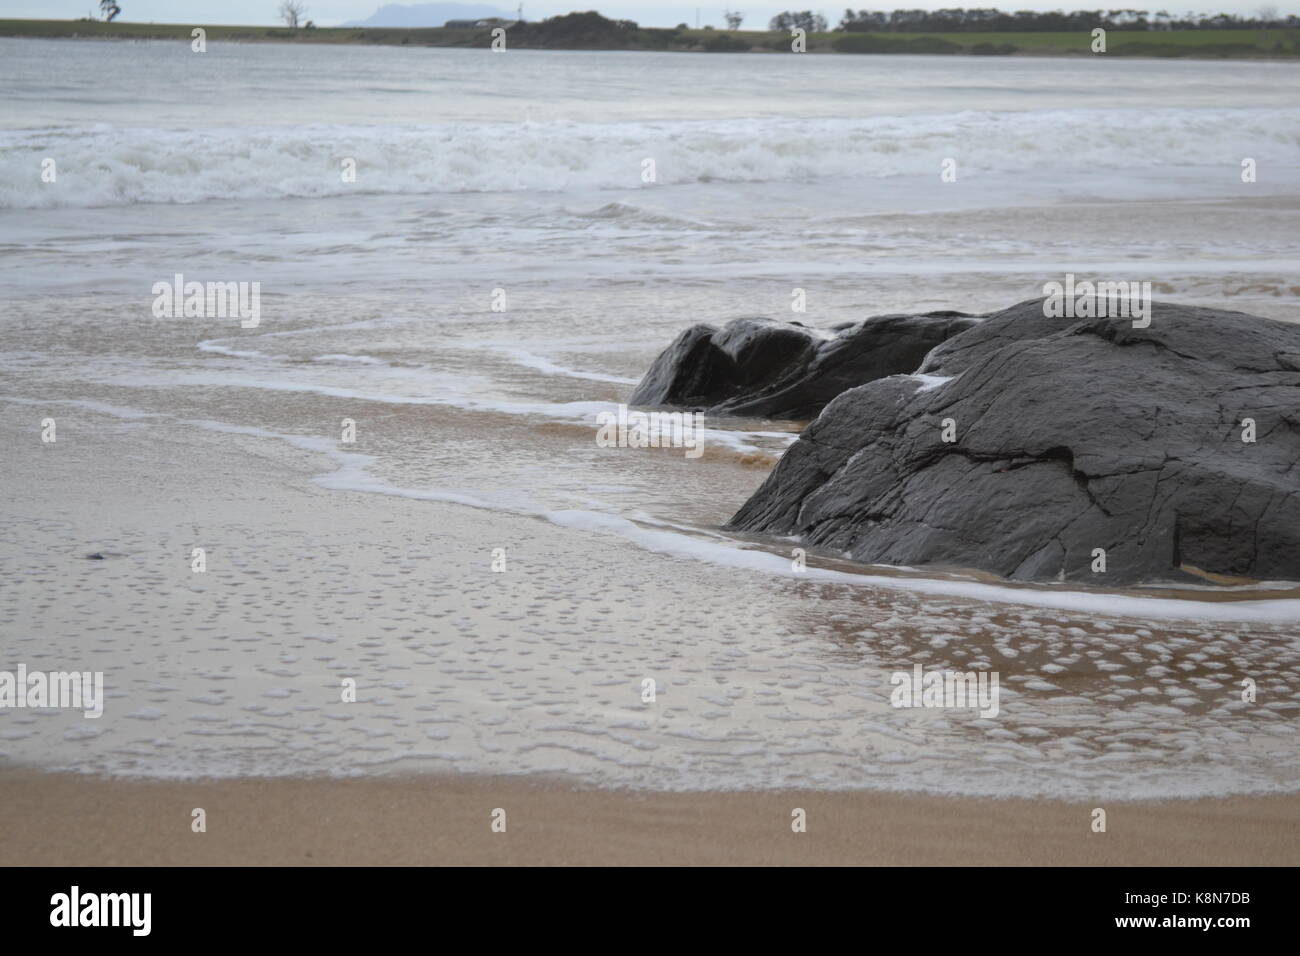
x: 1100, y: 603
x: 214, y: 346
x: 539, y: 363
x: 351, y: 359
x: 351, y: 475
x: 441, y: 390
x: 111, y: 165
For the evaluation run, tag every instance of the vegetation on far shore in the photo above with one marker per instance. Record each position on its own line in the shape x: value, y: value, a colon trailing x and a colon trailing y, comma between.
x: 591, y: 31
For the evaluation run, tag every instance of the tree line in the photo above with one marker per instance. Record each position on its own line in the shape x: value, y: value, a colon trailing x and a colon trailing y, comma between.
x: 1025, y: 21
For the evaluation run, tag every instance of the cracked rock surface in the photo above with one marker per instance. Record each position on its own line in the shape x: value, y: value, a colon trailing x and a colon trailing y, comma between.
x: 768, y: 369
x: 1070, y: 435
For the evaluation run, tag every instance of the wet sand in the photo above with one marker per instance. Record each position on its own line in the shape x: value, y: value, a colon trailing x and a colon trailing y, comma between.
x: 327, y: 562
x: 66, y: 820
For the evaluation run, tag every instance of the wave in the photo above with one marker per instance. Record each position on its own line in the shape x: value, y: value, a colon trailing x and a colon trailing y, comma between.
x: 629, y: 214
x: 101, y: 165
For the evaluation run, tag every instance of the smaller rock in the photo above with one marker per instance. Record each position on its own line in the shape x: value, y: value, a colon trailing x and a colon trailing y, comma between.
x: 767, y: 369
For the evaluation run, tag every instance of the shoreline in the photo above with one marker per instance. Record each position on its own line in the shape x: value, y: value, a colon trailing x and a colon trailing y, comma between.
x: 51, y: 819
x: 761, y: 680
x: 1267, y: 45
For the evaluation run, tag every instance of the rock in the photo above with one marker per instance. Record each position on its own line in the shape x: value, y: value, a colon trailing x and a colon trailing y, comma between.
x: 768, y: 369
x: 1070, y: 435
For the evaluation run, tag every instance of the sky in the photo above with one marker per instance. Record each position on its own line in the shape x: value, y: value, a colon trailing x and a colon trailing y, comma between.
x: 651, y: 13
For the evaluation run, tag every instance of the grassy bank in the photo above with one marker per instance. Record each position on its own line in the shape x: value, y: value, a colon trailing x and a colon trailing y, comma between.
x: 607, y: 35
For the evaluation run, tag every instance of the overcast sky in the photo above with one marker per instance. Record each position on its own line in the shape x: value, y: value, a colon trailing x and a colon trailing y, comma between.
x: 646, y: 12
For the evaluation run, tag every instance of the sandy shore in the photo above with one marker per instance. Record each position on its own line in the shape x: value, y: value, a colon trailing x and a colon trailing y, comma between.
x: 53, y: 819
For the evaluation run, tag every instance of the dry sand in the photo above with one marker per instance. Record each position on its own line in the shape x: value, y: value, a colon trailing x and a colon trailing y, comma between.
x: 54, y: 819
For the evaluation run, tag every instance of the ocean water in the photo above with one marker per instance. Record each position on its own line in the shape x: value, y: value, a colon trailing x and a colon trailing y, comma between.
x: 481, y: 176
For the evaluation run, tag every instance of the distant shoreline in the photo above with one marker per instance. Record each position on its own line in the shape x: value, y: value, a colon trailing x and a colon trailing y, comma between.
x: 1240, y: 44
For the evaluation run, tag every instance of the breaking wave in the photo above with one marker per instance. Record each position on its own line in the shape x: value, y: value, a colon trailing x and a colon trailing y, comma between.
x: 101, y: 165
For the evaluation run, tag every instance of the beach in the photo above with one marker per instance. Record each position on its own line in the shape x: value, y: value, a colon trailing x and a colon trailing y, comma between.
x: 356, y: 571
x: 447, y: 821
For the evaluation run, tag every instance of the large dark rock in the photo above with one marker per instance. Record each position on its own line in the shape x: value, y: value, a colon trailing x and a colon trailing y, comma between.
x: 1071, y: 435
x: 768, y: 369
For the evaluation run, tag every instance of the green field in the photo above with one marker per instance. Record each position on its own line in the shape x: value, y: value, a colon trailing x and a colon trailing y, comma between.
x: 1183, y: 43
x: 1180, y: 43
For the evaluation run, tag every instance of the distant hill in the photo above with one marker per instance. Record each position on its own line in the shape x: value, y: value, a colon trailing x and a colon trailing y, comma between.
x: 427, y: 14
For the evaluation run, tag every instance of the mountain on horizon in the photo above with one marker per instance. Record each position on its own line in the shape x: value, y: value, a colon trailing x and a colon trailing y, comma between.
x: 427, y: 14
